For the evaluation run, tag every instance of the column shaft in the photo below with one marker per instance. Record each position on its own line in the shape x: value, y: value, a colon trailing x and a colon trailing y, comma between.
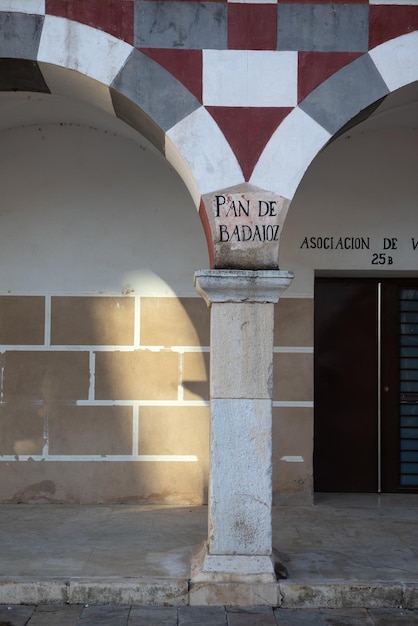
x: 239, y: 545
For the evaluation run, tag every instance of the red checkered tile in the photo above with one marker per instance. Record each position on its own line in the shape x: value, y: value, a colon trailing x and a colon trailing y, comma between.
x: 387, y: 22
x: 252, y: 26
x: 113, y: 16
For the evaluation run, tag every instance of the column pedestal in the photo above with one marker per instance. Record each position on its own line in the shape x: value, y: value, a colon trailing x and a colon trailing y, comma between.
x: 234, y: 566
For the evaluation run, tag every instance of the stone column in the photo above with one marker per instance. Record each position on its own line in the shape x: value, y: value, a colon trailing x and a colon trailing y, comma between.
x: 235, y: 564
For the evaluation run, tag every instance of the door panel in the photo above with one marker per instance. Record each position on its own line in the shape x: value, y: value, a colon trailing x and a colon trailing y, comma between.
x: 346, y: 353
x: 400, y: 386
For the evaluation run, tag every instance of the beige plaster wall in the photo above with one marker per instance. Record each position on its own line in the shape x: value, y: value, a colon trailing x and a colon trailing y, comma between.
x: 293, y: 402
x: 104, y: 380
x: 123, y: 383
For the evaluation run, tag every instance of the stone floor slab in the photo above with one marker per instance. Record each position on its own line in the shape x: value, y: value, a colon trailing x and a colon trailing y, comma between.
x: 15, y: 615
x: 202, y: 616
x: 104, y: 615
x: 119, y: 615
x: 250, y: 616
x: 347, y: 617
x: 50, y: 615
x: 153, y: 616
x: 393, y: 617
x: 299, y: 617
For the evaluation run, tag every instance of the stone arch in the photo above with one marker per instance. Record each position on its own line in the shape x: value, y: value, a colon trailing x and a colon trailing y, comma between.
x: 355, y: 89
x: 47, y: 54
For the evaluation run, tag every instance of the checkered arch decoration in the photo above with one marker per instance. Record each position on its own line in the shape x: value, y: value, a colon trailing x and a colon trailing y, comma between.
x: 230, y: 92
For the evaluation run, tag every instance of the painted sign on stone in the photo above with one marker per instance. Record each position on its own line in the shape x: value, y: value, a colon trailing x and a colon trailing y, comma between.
x: 247, y: 228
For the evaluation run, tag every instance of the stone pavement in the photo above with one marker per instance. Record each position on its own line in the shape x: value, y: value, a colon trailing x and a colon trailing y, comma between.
x: 345, y: 552
x: 120, y: 615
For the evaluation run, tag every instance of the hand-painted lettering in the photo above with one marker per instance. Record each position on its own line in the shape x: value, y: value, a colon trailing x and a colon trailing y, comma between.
x: 244, y: 232
x: 390, y: 243
x: 336, y: 243
x: 220, y: 201
x: 266, y: 207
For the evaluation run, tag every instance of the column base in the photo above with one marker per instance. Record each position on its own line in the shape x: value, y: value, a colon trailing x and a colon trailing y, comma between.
x: 224, y: 568
x: 232, y: 579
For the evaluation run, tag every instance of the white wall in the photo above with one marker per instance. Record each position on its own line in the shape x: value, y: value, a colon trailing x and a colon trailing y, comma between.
x: 364, y: 184
x: 83, y: 210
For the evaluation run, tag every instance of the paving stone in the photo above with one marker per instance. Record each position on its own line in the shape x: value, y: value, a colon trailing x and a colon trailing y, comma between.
x: 104, y: 615
x: 299, y: 617
x: 250, y: 616
x: 393, y: 617
x: 14, y: 615
x: 201, y: 616
x: 347, y: 617
x: 119, y: 615
x: 51, y: 615
x: 249, y: 609
x: 153, y: 616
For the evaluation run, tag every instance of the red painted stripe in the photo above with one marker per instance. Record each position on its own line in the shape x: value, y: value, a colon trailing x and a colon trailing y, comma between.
x: 387, y: 22
x: 336, y: 2
x: 115, y: 17
x: 219, y: 1
x: 252, y: 26
x: 208, y: 233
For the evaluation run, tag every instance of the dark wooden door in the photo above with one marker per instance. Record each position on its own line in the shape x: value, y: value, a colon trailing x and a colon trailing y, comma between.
x: 346, y: 356
x: 366, y: 385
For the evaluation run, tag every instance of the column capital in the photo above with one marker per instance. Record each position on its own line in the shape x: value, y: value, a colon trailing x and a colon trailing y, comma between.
x: 241, y: 285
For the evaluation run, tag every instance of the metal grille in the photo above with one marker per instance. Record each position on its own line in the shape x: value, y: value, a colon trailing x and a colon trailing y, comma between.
x: 408, y: 304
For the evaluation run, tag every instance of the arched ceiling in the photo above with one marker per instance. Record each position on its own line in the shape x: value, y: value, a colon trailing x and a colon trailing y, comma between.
x: 28, y: 108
